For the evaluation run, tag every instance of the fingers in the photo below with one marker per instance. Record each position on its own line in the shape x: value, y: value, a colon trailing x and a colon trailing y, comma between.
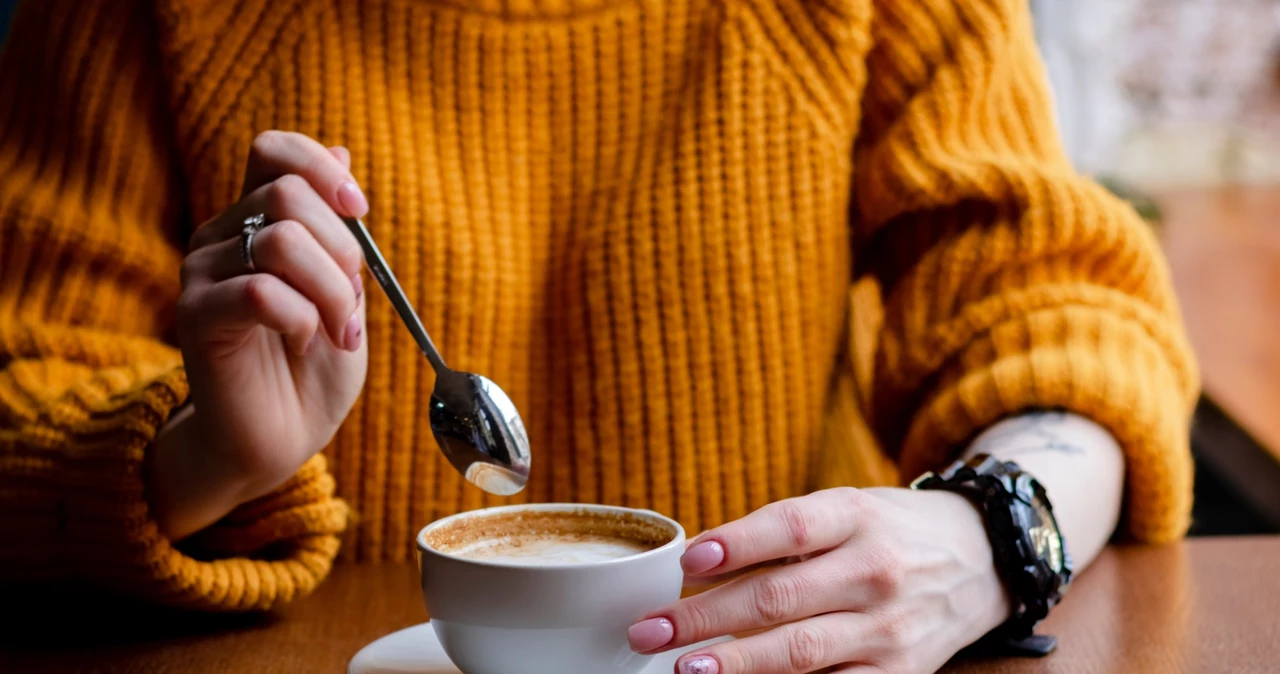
x: 826, y: 584
x: 288, y: 198
x: 227, y: 309
x: 342, y: 154
x: 300, y: 186
x: 843, y: 642
x: 279, y: 153
x: 292, y: 177
x: 789, y: 528
x: 799, y: 648
x: 722, y: 578
x: 288, y: 251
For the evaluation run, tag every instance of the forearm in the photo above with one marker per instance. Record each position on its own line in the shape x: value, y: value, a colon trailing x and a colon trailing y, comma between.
x: 1078, y: 462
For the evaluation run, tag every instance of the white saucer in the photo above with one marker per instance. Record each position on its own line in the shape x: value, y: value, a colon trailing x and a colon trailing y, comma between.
x: 415, y: 650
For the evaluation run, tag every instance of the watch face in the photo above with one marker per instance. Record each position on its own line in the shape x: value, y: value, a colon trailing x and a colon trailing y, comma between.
x: 1045, y: 537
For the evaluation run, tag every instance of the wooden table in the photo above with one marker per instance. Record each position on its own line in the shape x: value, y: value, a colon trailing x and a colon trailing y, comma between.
x: 1209, y: 605
x: 1223, y: 246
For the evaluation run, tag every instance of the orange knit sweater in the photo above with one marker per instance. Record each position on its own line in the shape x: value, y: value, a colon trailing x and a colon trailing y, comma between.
x: 697, y: 241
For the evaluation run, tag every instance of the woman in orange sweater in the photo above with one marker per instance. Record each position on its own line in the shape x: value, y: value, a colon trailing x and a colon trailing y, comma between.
x: 699, y: 242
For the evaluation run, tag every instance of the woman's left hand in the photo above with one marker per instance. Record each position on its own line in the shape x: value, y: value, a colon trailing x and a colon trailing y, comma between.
x: 872, y: 580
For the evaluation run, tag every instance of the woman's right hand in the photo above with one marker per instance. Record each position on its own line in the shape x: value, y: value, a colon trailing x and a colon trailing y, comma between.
x: 275, y: 356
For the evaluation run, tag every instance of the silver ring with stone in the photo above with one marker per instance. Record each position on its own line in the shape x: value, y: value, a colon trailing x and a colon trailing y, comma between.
x: 252, y: 225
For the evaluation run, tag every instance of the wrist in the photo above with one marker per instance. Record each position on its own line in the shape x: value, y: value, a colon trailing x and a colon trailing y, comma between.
x: 995, y: 605
x: 188, y: 489
x: 1026, y: 545
x: 957, y: 523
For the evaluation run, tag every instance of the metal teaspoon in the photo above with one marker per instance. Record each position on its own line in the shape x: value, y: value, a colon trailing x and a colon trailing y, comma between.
x: 475, y: 423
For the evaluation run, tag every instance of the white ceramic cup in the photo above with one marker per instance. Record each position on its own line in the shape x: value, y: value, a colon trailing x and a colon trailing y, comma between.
x: 502, y: 618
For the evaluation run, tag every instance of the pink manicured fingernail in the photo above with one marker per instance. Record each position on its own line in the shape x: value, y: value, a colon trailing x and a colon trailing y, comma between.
x: 699, y: 664
x: 651, y: 634
x: 351, y: 335
x: 352, y: 199
x: 702, y: 557
x: 358, y: 284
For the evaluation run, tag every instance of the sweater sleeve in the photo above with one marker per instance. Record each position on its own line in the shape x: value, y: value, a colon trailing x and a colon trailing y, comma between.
x: 89, y: 204
x: 1009, y: 281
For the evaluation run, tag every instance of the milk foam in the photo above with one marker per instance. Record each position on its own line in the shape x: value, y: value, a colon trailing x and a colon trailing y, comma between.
x: 539, y: 551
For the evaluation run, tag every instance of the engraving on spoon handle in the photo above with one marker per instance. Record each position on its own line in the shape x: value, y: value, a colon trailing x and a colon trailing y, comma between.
x: 387, y: 281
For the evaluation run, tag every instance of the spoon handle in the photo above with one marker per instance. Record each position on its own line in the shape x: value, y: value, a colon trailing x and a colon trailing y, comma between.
x: 390, y: 286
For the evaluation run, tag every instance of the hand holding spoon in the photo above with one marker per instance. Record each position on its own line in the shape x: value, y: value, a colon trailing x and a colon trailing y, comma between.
x: 474, y: 422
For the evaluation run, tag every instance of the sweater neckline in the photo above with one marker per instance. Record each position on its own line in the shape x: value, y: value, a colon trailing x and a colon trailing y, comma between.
x: 532, y: 9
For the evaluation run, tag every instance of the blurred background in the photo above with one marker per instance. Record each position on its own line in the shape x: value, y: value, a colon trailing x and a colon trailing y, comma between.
x: 1166, y: 92
x: 1175, y: 106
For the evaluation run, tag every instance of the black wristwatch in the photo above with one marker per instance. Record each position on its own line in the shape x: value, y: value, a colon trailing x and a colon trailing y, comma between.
x: 1030, y: 554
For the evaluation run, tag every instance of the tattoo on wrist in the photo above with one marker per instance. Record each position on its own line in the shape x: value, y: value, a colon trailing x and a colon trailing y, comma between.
x: 1031, y: 432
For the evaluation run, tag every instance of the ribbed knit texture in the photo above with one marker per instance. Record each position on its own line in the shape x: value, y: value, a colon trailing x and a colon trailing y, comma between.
x: 643, y: 218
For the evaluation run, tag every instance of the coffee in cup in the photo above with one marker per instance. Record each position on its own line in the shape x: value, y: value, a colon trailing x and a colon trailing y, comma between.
x: 532, y: 589
x: 549, y: 537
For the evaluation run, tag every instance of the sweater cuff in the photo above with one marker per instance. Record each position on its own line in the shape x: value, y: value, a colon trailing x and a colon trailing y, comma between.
x: 264, y: 554
x: 1137, y: 383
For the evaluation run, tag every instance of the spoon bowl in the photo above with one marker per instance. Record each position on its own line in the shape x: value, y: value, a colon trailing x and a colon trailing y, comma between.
x: 480, y: 432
